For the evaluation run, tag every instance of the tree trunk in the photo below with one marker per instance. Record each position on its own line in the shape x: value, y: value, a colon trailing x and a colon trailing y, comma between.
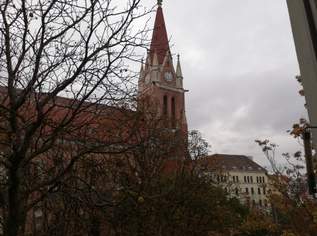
x: 13, y: 219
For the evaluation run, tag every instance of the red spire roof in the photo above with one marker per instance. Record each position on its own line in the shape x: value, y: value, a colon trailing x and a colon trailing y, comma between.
x: 159, y: 43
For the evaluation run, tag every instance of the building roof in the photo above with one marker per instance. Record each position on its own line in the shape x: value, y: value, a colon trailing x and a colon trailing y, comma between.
x: 77, y: 120
x: 230, y: 162
x: 159, y: 43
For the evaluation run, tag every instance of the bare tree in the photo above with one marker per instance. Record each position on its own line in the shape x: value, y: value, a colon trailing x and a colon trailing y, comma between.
x: 91, y: 195
x: 62, y: 64
x: 160, y: 194
x: 198, y: 147
x: 292, y: 206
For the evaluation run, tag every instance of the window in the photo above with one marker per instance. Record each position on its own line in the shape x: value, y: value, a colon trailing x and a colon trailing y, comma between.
x: 165, y: 105
x: 265, y: 203
x: 173, y: 113
x: 260, y: 202
x: 223, y: 178
x: 252, y: 190
x: 248, y: 179
x: 237, y: 191
x: 260, y: 179
x: 173, y: 107
x: 253, y: 202
x: 259, y: 191
x: 246, y: 190
x: 38, y: 218
x: 264, y: 190
x: 263, y: 180
x: 235, y: 179
x: 251, y: 178
x: 245, y: 179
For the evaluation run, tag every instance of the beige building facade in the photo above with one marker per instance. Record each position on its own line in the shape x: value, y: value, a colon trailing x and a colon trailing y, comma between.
x: 240, y: 176
x: 250, y: 186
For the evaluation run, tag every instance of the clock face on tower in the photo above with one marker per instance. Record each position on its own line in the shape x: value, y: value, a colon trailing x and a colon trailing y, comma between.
x: 168, y: 76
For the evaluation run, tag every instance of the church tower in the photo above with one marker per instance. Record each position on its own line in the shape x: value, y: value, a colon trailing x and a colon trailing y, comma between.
x: 160, y: 80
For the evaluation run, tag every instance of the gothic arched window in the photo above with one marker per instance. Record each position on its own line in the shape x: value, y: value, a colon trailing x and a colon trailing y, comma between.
x: 173, y: 108
x: 173, y: 112
x: 165, y: 105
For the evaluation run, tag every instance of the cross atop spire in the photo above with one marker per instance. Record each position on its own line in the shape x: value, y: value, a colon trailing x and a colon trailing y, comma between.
x: 159, y: 3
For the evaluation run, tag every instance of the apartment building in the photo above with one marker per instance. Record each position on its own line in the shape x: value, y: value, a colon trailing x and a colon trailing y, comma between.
x: 240, y: 176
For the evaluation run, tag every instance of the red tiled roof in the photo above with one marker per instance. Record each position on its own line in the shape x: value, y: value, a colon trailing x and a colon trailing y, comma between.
x: 91, y: 121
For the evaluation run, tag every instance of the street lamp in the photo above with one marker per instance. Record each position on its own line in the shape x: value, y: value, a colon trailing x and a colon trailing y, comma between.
x: 309, y: 160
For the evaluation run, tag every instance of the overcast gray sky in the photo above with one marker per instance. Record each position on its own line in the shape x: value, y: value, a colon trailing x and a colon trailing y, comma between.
x: 239, y: 64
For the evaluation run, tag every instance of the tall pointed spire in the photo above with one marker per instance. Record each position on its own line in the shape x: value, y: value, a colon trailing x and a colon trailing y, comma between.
x: 159, y: 43
x: 179, y: 72
x: 162, y: 83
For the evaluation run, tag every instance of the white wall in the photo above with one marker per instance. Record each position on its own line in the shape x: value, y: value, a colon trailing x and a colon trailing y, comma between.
x: 246, y: 180
x: 251, y: 180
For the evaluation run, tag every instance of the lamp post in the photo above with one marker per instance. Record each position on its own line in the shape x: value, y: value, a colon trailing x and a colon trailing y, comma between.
x: 309, y: 160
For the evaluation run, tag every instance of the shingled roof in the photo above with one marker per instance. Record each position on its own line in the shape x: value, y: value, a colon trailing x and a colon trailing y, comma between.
x: 231, y: 163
